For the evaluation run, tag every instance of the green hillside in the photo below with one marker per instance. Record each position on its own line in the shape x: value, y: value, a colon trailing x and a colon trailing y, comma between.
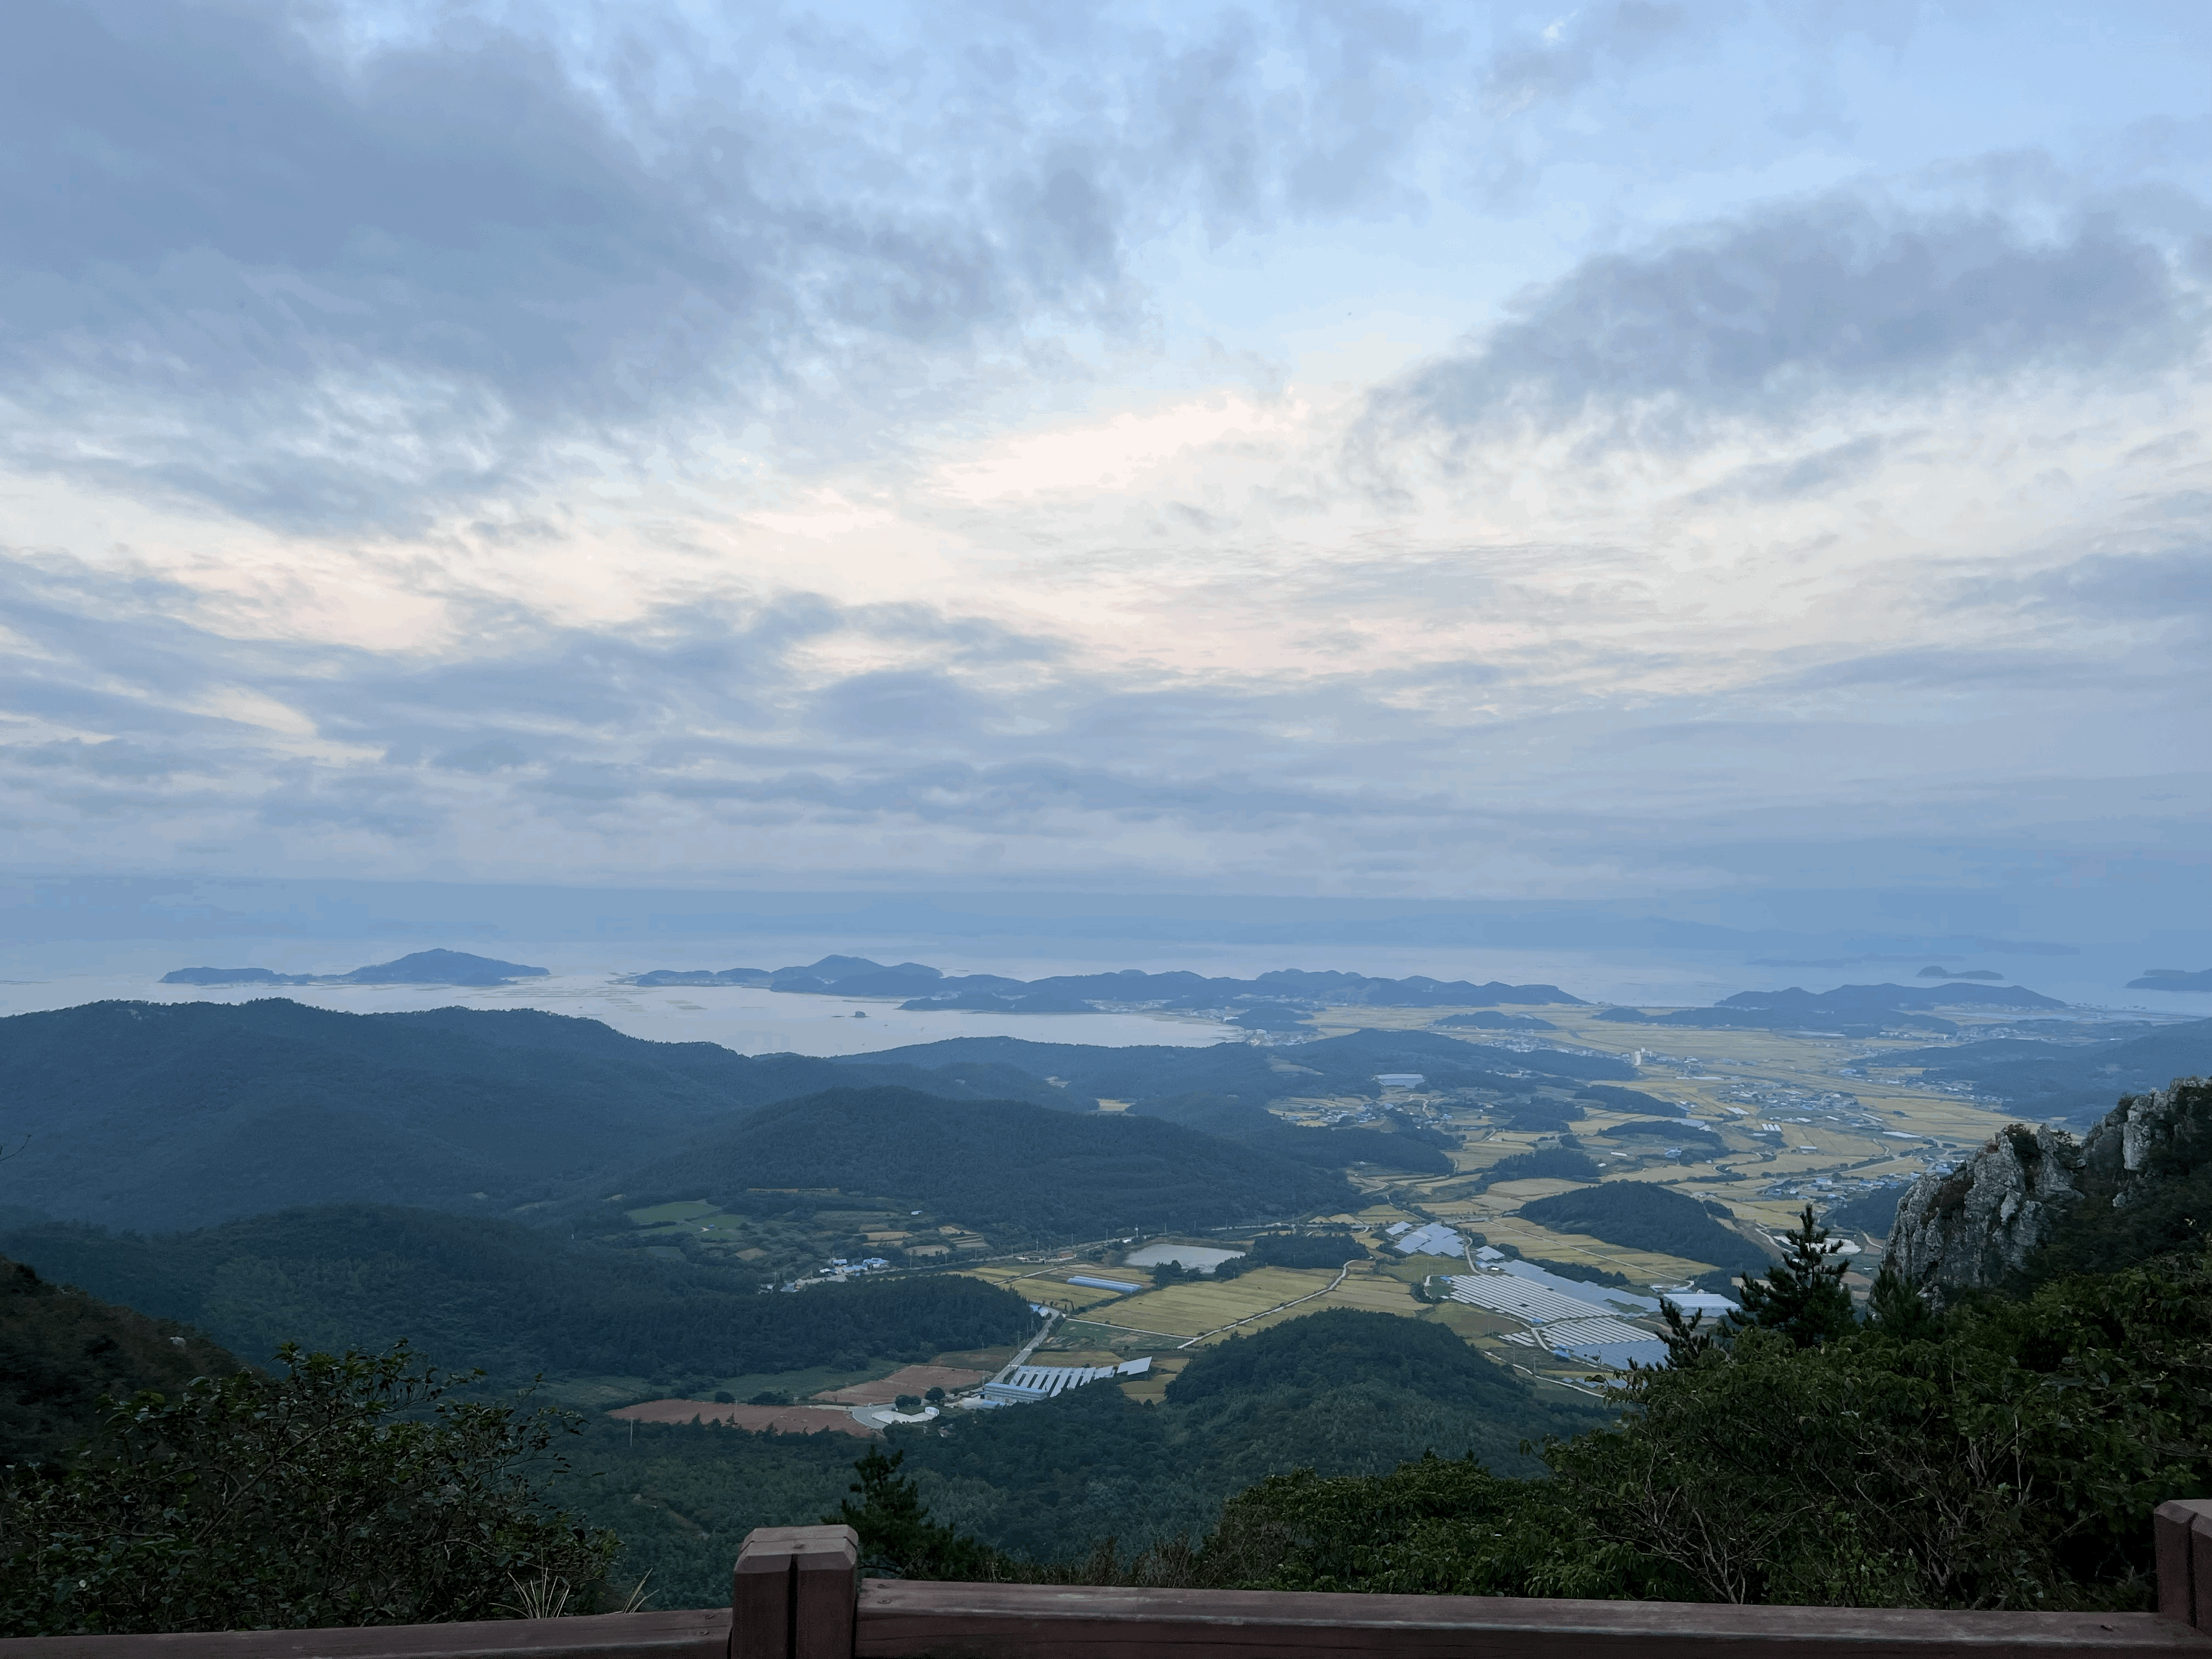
x: 1645, y: 1217
x: 1013, y: 1171
x: 1343, y: 1392
x: 516, y: 1301
x: 161, y: 1115
x: 61, y: 1350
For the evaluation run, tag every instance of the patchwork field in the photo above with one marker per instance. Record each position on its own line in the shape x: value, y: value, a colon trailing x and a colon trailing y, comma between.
x: 1780, y: 1120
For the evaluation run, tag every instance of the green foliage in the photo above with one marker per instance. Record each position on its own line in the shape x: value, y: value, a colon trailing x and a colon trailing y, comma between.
x: 1016, y: 1172
x: 1546, y: 1164
x: 2006, y: 1456
x: 1896, y: 1308
x: 1802, y: 1296
x: 1342, y: 1391
x: 1346, y: 1347
x: 509, y: 1298
x: 1434, y: 1527
x: 343, y: 1490
x: 897, y: 1538
x: 1303, y: 1250
x: 1643, y: 1217
x: 61, y: 1352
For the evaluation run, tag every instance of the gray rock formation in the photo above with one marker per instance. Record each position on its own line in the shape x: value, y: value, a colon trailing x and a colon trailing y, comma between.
x: 1979, y: 1226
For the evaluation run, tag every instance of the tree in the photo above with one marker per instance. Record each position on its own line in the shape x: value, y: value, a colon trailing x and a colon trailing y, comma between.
x: 345, y: 1489
x: 908, y: 1403
x: 897, y: 1538
x: 1896, y: 1308
x: 1802, y: 1296
x: 935, y: 1397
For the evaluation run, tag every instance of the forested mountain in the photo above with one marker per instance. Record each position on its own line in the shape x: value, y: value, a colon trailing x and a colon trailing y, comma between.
x: 469, y: 1291
x: 1011, y: 1171
x: 160, y: 1115
x: 2073, y: 1079
x: 1333, y: 1066
x: 61, y: 1350
x: 1854, y: 1009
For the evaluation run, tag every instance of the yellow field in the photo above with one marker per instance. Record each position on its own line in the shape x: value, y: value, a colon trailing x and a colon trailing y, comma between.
x: 1187, y: 1309
x: 1050, y: 1285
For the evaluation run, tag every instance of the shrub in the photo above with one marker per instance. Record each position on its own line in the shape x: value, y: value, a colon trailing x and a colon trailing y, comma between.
x: 346, y: 1490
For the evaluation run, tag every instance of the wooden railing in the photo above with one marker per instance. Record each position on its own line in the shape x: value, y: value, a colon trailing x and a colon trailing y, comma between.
x: 797, y: 1593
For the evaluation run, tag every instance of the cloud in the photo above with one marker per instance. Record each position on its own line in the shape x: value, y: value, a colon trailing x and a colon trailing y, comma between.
x: 1572, y: 51
x: 1834, y: 467
x: 2168, y: 585
x: 1787, y: 311
x: 342, y: 273
x: 727, y: 735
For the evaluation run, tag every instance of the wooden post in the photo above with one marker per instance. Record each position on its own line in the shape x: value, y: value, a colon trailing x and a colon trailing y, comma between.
x: 792, y: 1592
x: 2183, y: 1531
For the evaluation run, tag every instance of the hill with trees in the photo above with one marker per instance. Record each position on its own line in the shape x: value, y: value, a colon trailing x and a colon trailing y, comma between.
x: 1346, y: 1065
x: 514, y: 1300
x: 1013, y: 1171
x: 61, y: 1350
x: 2076, y: 1080
x: 158, y: 1115
x: 1643, y: 1217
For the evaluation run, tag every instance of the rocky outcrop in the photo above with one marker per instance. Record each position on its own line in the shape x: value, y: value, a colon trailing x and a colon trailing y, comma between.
x: 1981, y: 1225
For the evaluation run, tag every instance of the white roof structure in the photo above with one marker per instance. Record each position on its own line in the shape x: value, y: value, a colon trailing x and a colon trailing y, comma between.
x: 1611, y: 1295
x: 1572, y: 1336
x: 1121, y: 1284
x: 1502, y: 1293
x: 1705, y: 1302
x: 1400, y: 1079
x: 1020, y: 1384
x: 1435, y: 1239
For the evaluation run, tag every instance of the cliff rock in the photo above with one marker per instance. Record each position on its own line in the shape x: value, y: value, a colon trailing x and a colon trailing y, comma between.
x: 1983, y: 1223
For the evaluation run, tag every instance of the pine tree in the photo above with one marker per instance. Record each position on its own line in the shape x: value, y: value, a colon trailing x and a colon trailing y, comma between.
x: 1802, y: 1296
x: 897, y: 1538
x: 1896, y: 1308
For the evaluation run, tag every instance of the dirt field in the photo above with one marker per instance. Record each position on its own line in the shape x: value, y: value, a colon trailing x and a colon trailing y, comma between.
x: 907, y: 1379
x: 784, y: 1419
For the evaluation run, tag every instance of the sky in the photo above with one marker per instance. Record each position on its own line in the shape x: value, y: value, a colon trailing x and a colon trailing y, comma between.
x: 1629, y: 454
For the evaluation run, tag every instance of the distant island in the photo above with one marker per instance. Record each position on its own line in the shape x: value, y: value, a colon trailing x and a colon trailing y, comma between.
x: 1274, y: 999
x: 1849, y: 1010
x: 423, y: 968
x: 2173, y: 979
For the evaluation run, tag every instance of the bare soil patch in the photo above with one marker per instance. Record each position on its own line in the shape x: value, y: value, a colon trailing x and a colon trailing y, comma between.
x: 907, y: 1379
x: 784, y: 1419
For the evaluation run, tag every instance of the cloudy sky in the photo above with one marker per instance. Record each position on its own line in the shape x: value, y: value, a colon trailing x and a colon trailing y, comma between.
x: 1616, y: 450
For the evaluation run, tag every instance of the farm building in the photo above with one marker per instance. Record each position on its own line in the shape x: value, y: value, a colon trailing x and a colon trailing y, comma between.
x: 1435, y: 1239
x: 1022, y: 1384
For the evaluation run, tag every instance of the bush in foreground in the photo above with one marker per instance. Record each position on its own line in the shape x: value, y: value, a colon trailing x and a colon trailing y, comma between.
x: 346, y: 1490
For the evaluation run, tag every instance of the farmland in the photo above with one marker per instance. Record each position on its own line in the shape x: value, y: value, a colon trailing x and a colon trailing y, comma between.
x: 1771, y: 1120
